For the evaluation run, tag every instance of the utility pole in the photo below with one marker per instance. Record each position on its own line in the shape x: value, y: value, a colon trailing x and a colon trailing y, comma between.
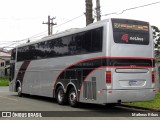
x: 50, y: 25
x: 98, y: 11
x: 89, y: 16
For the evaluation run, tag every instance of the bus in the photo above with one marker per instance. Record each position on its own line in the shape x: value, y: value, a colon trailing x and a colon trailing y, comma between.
x: 110, y: 61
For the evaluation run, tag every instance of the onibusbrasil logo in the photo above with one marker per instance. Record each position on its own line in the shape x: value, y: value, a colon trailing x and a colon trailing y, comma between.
x: 21, y: 114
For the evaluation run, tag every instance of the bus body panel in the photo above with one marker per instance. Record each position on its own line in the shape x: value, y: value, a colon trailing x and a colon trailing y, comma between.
x: 41, y: 75
x: 87, y: 72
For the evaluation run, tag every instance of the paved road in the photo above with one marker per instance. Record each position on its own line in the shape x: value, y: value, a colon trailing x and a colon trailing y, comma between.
x: 11, y: 102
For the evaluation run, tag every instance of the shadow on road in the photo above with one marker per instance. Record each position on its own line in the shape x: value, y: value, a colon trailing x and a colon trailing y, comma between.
x: 85, y: 110
x: 84, y: 106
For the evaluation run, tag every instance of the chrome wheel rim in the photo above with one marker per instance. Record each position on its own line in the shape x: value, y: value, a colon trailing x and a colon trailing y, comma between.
x: 19, y: 90
x: 73, y: 97
x: 60, y: 95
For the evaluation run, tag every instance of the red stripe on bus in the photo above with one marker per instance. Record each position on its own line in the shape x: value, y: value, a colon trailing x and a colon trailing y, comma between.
x: 112, y: 57
x: 129, y: 67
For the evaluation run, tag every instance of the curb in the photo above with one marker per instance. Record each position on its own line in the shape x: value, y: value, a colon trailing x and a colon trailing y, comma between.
x: 142, y: 108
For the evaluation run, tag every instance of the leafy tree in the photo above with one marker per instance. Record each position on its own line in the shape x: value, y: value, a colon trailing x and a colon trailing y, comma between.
x: 156, y: 37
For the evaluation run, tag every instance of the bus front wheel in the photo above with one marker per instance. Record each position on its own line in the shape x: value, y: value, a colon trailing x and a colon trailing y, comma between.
x: 19, y: 91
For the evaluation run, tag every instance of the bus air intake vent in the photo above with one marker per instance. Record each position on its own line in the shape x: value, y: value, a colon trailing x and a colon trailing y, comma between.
x: 89, y: 91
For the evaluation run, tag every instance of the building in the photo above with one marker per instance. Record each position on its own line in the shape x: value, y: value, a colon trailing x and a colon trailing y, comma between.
x: 4, y: 63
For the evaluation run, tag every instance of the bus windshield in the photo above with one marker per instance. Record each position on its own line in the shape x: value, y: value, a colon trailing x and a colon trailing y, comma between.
x: 130, y: 32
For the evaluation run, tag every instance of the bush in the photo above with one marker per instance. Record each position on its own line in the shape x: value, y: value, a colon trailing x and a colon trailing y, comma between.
x: 4, y: 81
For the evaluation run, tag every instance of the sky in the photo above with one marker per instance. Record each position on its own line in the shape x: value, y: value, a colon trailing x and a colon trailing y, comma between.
x: 22, y: 19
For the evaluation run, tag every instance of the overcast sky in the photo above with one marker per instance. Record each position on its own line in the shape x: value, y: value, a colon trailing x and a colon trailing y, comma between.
x: 21, y: 19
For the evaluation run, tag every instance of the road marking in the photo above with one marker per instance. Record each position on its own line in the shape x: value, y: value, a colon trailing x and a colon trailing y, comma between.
x: 8, y: 98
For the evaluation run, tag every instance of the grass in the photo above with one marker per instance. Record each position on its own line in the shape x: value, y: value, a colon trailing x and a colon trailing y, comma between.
x: 157, y: 60
x: 155, y: 104
x: 4, y: 81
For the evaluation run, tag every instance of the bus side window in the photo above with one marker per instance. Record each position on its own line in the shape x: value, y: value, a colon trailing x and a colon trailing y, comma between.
x: 97, y: 35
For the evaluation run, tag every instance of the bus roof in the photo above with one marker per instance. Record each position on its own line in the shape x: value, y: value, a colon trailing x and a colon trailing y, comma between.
x: 73, y: 31
x: 66, y: 32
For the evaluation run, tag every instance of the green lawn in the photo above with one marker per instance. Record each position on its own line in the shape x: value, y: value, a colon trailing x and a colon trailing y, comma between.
x: 4, y: 81
x: 155, y: 104
x: 157, y: 60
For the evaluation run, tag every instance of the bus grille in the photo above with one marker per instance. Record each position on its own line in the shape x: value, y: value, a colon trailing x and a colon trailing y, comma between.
x: 89, y: 91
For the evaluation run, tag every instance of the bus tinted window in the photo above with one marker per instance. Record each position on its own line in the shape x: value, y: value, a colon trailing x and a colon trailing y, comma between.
x: 130, y: 32
x: 79, y: 43
x: 96, y: 40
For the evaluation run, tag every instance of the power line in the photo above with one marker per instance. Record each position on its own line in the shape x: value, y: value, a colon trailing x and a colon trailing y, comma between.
x: 38, y: 34
x: 128, y: 9
x: 6, y: 41
x: 69, y: 20
x: 9, y: 46
x: 42, y: 33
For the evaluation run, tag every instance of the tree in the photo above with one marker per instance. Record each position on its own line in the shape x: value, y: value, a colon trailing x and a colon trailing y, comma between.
x: 156, y: 37
x: 89, y: 15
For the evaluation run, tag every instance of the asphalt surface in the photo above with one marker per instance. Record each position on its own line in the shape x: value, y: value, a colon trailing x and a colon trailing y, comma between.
x: 10, y: 102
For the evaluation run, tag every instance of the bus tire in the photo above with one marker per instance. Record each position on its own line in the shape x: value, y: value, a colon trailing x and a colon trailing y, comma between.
x: 72, y: 98
x: 19, y: 91
x: 61, y: 96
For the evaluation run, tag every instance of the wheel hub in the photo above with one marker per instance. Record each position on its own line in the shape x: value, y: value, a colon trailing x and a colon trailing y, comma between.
x: 73, y: 96
x: 60, y: 95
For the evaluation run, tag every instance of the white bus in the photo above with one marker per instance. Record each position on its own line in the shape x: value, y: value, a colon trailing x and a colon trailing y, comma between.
x: 111, y: 61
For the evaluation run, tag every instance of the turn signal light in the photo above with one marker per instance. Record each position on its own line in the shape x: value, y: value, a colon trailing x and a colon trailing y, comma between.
x: 153, y: 77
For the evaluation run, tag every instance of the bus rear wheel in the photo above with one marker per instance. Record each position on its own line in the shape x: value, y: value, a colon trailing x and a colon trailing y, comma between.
x: 72, y: 98
x: 61, y: 96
